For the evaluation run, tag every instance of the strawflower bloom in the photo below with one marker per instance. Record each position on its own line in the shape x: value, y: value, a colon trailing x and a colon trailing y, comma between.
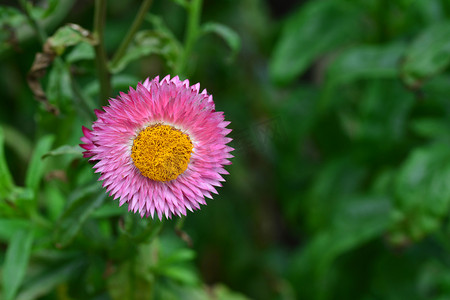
x: 160, y: 148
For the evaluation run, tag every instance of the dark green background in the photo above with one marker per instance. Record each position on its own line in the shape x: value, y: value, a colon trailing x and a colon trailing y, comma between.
x: 340, y: 185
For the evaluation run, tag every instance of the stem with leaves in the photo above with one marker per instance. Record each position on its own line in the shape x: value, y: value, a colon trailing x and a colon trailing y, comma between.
x: 100, y: 53
x: 193, y: 28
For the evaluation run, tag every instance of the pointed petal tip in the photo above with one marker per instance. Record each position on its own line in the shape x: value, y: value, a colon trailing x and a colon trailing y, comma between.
x: 165, y: 79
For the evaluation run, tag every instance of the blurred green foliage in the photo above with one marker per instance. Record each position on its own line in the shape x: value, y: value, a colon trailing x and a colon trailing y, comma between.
x: 340, y: 185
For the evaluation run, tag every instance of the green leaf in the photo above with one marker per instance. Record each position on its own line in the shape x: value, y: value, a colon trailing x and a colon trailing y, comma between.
x: 366, y: 62
x: 63, y: 150
x: 125, y: 284
x: 183, y: 3
x: 425, y: 175
x: 383, y: 114
x: 18, y: 202
x: 51, y: 7
x: 55, y: 200
x: 6, y: 181
x: 179, y: 256
x: 357, y: 221
x: 59, y: 88
x: 82, y: 51
x: 428, y: 55
x: 209, y: 292
x: 63, y: 91
x: 9, y: 227
x: 226, y: 33
x: 312, y: 31
x: 159, y: 25
x: 133, y: 279
x: 10, y: 16
x: 140, y: 230
x: 81, y: 204
x: 150, y: 42
x: 16, y: 262
x: 36, y: 168
x: 369, y: 212
x: 181, y: 274
x: 436, y: 89
x: 221, y: 292
x: 423, y: 191
x: 431, y: 128
x: 174, y: 261
x: 34, y: 11
x: 69, y: 35
x: 10, y: 20
x: 8, y: 190
x: 339, y: 177
x: 46, y: 280
x: 362, y: 62
x: 110, y: 209
x: 18, y: 142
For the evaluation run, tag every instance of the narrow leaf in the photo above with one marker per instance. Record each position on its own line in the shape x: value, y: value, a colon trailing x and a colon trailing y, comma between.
x: 182, y: 274
x: 183, y: 3
x: 9, y: 227
x: 36, y: 167
x: 110, y: 209
x: 51, y: 7
x: 81, y: 205
x: 312, y: 31
x: 16, y: 262
x: 65, y: 149
x: 180, y: 255
x: 55, y: 200
x: 6, y: 181
x: 17, y: 142
x: 226, y: 33
x: 46, y: 280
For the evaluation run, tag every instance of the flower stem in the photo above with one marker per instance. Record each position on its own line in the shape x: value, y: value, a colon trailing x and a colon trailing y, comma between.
x: 100, y: 53
x: 131, y: 32
x: 179, y: 224
x: 192, y: 31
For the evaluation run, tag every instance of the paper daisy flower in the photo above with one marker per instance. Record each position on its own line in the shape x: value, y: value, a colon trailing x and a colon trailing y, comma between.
x: 160, y: 148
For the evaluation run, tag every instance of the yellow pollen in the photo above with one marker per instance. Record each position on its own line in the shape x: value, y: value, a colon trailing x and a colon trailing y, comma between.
x: 161, y: 152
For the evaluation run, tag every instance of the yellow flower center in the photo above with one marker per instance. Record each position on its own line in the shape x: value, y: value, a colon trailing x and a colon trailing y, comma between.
x: 161, y: 152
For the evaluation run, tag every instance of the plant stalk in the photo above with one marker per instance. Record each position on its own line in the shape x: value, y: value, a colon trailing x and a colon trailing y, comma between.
x: 145, y: 6
x: 192, y: 32
x: 100, y: 54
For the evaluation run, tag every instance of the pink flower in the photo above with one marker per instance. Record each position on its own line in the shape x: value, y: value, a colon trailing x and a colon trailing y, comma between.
x: 160, y: 148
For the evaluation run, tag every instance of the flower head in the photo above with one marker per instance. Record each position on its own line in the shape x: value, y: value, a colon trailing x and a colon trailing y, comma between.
x: 160, y: 148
